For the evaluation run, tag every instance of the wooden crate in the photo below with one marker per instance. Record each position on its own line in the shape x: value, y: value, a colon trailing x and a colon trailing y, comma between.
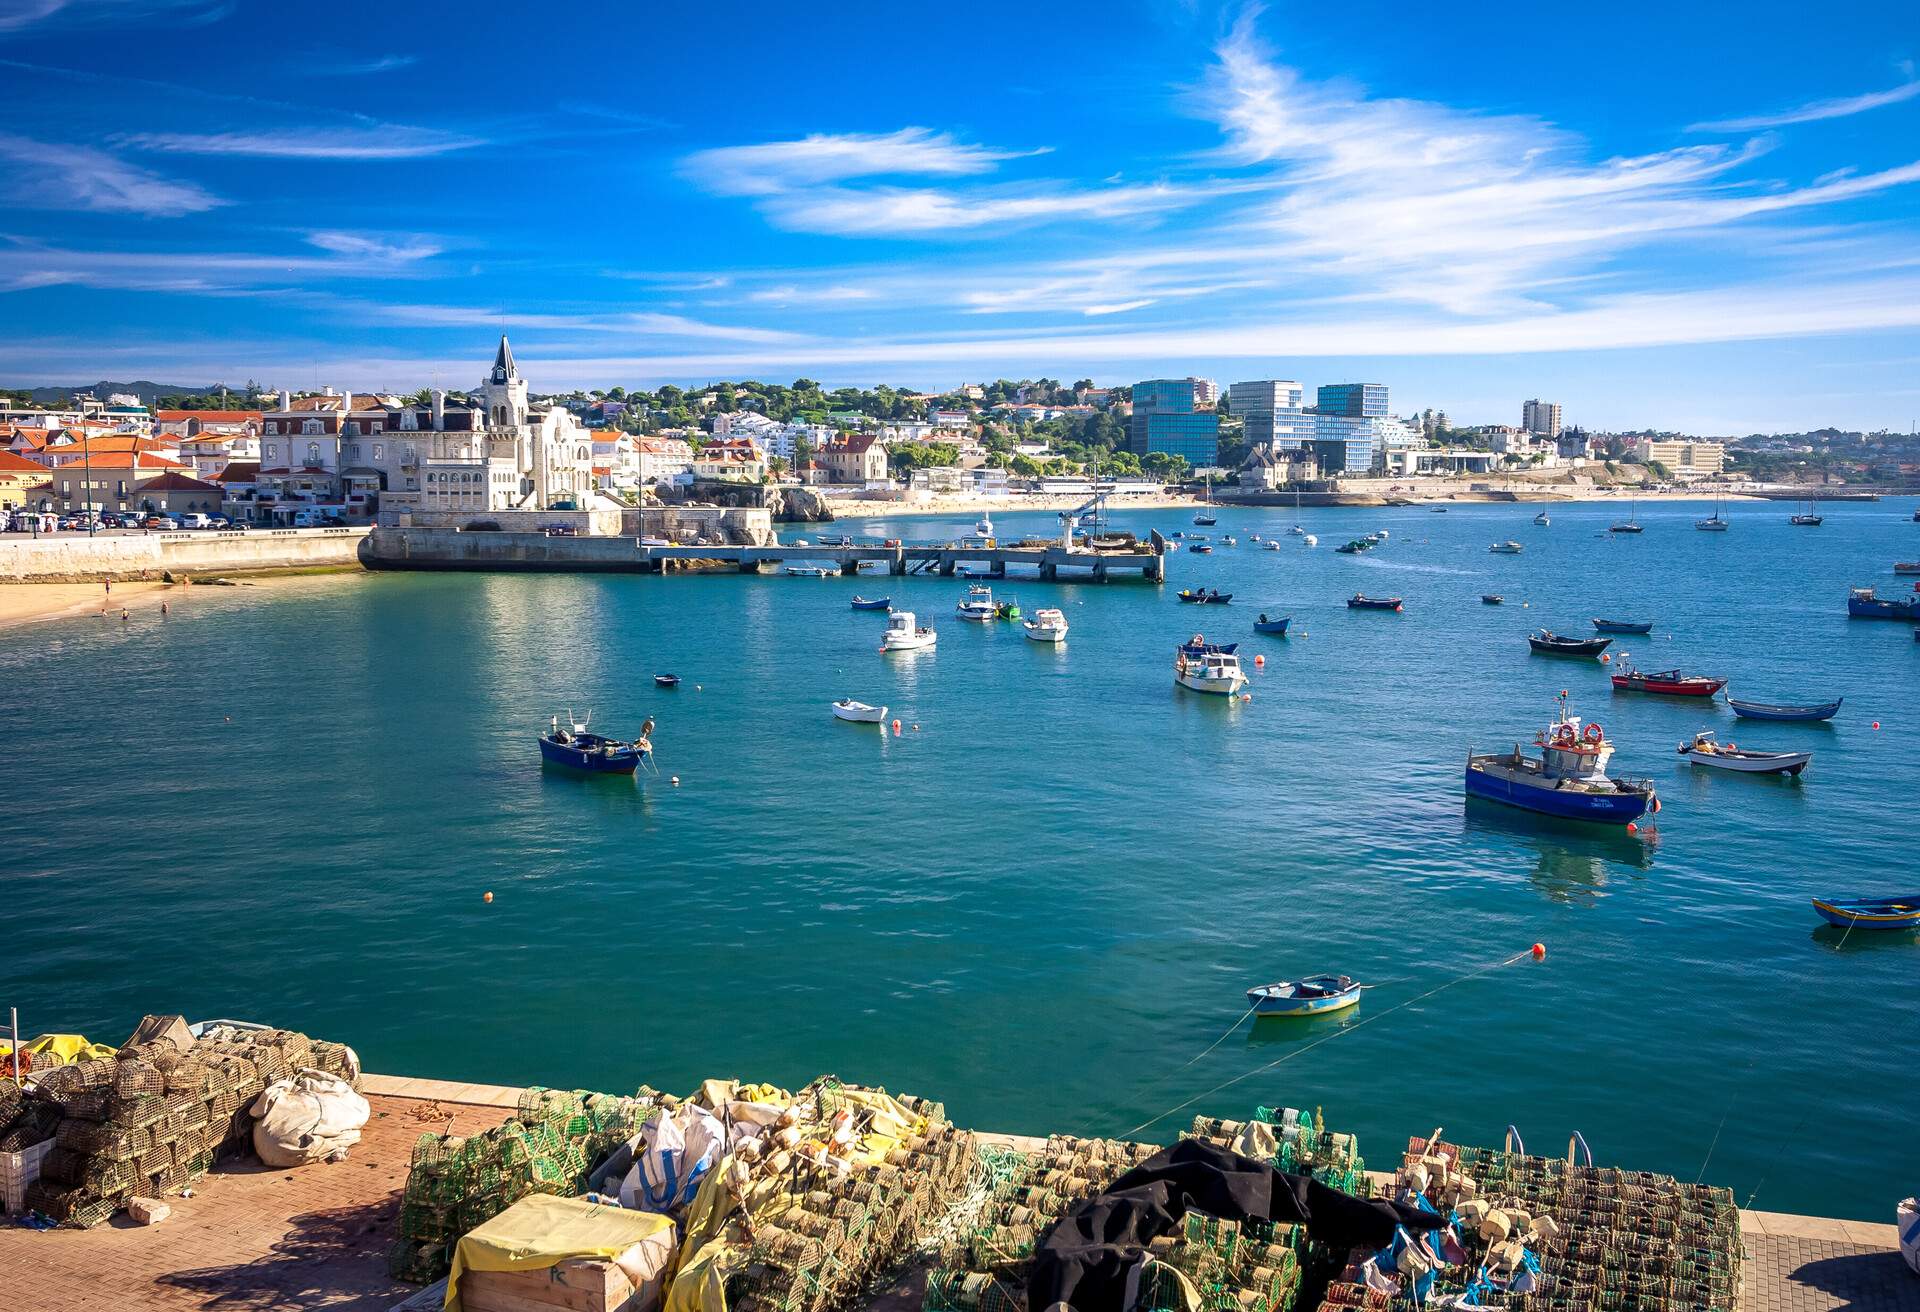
x: 575, y: 1285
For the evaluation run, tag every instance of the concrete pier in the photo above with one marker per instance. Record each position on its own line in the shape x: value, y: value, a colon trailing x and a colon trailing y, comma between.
x: 449, y: 549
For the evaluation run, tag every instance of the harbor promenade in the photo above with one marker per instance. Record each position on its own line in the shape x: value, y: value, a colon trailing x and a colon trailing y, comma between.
x: 256, y: 1238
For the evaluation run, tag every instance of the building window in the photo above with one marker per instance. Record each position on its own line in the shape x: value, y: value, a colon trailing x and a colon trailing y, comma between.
x: 379, y: 452
x: 313, y: 453
x: 311, y: 426
x: 353, y: 428
x: 272, y: 451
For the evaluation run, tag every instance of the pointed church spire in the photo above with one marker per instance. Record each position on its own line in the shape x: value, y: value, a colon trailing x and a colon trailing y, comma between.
x: 503, y: 361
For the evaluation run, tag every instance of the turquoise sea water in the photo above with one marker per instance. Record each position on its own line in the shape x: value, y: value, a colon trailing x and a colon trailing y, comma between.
x: 284, y: 803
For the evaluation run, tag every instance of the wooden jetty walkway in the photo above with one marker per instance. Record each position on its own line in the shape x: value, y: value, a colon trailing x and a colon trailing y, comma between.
x: 451, y: 549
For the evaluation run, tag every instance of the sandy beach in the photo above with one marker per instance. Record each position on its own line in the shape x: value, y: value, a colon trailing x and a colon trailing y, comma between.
x: 23, y: 603
x: 28, y: 603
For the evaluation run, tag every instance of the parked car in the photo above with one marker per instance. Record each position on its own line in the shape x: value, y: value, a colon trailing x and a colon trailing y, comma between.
x: 193, y: 519
x: 157, y: 522
x: 219, y: 521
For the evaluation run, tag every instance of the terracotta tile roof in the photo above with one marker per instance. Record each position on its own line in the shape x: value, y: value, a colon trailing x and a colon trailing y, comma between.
x: 11, y: 462
x: 121, y: 460
x: 238, y: 471
x: 174, y: 481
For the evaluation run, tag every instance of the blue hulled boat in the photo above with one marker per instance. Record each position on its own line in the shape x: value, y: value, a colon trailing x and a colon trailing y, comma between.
x: 1863, y: 605
x: 1316, y: 995
x: 877, y: 603
x: 1265, y: 625
x: 1623, y: 626
x: 1567, y: 779
x: 1870, y: 912
x: 577, y: 749
x: 1770, y: 711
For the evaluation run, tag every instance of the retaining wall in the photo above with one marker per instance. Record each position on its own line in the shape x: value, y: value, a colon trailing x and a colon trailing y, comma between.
x: 81, y: 559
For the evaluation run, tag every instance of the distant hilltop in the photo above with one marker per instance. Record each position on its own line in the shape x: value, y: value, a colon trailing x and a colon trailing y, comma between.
x: 149, y: 393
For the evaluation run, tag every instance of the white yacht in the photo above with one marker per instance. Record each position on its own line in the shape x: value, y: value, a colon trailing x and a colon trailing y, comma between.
x: 903, y: 634
x: 1208, y: 667
x: 1047, y: 625
x: 977, y: 605
x: 984, y: 528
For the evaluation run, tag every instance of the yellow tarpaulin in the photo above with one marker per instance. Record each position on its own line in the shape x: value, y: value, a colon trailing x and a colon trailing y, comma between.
x: 66, y: 1048
x: 542, y: 1230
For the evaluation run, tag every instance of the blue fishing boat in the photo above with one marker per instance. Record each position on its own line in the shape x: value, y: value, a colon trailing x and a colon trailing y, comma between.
x: 1623, y: 626
x: 1360, y: 601
x: 666, y: 681
x: 1770, y: 711
x: 1265, y: 625
x: 877, y: 603
x: 1870, y: 912
x: 1567, y: 779
x: 1316, y: 995
x: 578, y: 749
x: 1863, y: 605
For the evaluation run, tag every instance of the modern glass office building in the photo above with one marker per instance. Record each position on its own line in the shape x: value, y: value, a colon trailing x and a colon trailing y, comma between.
x: 1356, y: 400
x: 1270, y: 410
x: 1168, y: 416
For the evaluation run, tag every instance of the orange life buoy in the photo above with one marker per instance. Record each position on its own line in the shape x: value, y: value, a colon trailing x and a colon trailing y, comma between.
x: 1594, y: 732
x: 1564, y: 737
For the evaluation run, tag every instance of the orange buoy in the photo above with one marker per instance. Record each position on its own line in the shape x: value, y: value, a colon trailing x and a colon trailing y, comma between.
x: 486, y: 897
x: 1246, y: 696
x: 1632, y: 828
x: 1876, y: 724
x: 896, y: 728
x: 675, y: 781
x: 1539, y: 951
x: 1260, y: 662
x: 1605, y: 659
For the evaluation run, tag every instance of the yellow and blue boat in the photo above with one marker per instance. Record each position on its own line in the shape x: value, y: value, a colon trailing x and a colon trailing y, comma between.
x: 1316, y: 995
x: 1901, y: 912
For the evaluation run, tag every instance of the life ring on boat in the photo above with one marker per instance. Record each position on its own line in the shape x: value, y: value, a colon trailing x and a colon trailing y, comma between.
x: 1594, y: 733
x: 1563, y: 737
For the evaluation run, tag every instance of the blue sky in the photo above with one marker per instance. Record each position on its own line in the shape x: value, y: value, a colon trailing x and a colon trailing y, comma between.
x: 1681, y: 216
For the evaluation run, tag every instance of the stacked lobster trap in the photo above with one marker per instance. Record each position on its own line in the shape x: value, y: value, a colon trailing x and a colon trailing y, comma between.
x: 457, y: 1182
x: 1537, y: 1234
x: 814, y: 1234
x: 150, y: 1120
x: 985, y: 1262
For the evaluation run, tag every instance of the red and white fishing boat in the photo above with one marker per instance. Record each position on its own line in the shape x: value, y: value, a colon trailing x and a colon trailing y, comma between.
x: 1669, y: 683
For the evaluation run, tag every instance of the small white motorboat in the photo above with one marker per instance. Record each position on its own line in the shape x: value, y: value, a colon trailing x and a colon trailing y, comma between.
x: 977, y: 606
x: 1310, y: 540
x: 859, y: 712
x: 1274, y: 544
x: 1507, y: 548
x: 1706, y: 750
x: 1047, y: 625
x: 806, y: 571
x: 1296, y: 531
x: 984, y: 528
x: 1208, y: 667
x: 903, y: 634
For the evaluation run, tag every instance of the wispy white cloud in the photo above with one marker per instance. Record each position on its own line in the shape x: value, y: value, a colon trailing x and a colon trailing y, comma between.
x: 834, y: 184
x: 375, y: 247
x: 1473, y: 212
x: 773, y: 167
x: 26, y: 264
x: 634, y: 324
x: 377, y: 64
x: 370, y: 141
x: 1815, y: 111
x: 18, y: 14
x: 49, y: 175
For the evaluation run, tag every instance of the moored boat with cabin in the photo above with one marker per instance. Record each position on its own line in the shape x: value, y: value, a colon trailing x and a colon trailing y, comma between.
x: 1048, y: 624
x: 1208, y: 667
x: 1668, y: 683
x: 1862, y: 604
x: 1567, y: 779
x: 904, y: 635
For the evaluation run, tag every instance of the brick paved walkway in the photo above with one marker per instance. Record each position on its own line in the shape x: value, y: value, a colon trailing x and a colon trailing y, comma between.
x: 1795, y: 1274
x: 252, y: 1239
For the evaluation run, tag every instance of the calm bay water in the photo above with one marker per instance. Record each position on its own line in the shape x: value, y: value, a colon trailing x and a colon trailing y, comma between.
x: 285, y: 803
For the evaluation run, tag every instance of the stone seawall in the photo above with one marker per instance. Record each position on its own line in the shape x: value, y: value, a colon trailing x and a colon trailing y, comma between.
x: 452, y: 549
x: 80, y: 559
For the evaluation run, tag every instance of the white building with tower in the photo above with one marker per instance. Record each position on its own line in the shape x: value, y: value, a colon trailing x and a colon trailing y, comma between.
x: 352, y: 454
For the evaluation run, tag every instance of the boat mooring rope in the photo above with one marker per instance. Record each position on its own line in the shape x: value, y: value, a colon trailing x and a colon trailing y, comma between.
x: 1301, y: 1052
